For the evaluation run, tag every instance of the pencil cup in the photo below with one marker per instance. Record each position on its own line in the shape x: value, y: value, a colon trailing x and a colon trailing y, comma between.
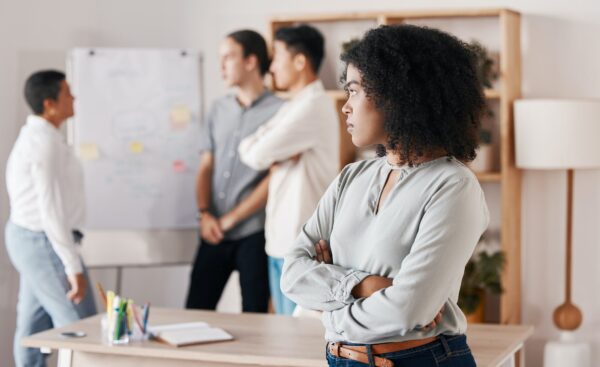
x: 137, y: 335
x: 114, y: 330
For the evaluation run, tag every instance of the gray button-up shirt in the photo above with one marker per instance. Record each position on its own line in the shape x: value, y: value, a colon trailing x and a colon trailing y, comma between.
x: 227, y: 124
x: 422, y: 236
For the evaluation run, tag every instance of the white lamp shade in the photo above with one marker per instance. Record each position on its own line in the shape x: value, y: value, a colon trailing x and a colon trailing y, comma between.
x: 557, y: 134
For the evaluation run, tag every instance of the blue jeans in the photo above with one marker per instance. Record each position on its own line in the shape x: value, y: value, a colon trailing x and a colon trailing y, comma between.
x: 43, y: 286
x: 282, y: 304
x: 447, y: 351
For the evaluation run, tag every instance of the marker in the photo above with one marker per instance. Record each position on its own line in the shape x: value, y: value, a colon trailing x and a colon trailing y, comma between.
x: 110, y: 297
x: 129, y: 310
x: 123, y: 316
x: 138, y: 321
x: 146, y: 314
x: 116, y: 319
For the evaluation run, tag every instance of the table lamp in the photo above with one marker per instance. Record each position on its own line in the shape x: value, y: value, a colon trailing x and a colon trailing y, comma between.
x: 557, y: 134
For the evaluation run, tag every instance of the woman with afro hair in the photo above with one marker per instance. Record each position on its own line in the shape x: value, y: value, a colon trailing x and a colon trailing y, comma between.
x: 384, y: 253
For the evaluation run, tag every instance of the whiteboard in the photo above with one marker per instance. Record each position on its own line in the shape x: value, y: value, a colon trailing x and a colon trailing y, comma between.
x: 136, y: 130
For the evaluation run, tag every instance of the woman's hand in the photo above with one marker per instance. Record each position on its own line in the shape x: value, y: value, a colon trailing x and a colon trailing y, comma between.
x: 370, y: 285
x: 435, y: 322
x: 323, y: 252
x: 367, y: 287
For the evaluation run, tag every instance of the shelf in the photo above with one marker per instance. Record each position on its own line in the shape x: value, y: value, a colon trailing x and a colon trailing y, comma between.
x: 319, y: 18
x: 390, y: 16
x: 491, y: 93
x: 488, y: 176
x: 339, y: 95
x: 451, y: 13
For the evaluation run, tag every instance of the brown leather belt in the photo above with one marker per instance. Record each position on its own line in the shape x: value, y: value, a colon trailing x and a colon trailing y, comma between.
x: 360, y: 353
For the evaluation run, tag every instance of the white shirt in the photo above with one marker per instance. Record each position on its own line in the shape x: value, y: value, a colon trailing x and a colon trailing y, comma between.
x: 308, y: 125
x: 45, y: 187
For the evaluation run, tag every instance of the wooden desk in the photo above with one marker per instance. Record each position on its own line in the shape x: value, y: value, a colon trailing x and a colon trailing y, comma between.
x: 260, y: 340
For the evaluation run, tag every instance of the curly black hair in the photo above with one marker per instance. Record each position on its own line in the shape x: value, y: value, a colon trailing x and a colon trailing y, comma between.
x: 425, y: 84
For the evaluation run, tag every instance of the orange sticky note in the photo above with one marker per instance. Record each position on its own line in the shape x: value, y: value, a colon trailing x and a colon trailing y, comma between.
x: 180, y: 117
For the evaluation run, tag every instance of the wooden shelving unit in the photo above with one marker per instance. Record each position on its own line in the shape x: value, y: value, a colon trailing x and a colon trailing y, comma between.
x: 489, y: 176
x: 507, y: 175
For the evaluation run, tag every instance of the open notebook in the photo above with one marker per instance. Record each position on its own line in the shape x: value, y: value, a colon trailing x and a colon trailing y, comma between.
x: 189, y: 333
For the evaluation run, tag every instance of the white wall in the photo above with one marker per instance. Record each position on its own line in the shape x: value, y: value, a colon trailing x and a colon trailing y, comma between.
x: 37, y: 34
x: 561, y: 58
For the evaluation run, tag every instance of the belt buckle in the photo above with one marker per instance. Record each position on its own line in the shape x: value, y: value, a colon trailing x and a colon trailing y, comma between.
x: 334, y: 349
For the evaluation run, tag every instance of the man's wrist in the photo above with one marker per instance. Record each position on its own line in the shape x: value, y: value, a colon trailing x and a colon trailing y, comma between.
x: 202, y: 212
x: 233, y: 214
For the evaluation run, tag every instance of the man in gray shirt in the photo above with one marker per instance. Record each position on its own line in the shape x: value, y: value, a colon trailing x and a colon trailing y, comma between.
x: 231, y: 196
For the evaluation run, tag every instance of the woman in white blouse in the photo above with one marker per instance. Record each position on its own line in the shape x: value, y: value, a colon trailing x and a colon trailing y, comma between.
x: 386, y: 248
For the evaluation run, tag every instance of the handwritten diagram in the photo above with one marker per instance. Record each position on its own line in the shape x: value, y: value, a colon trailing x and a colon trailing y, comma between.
x: 137, y: 131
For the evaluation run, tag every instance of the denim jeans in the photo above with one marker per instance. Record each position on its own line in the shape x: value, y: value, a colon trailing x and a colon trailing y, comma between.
x: 43, y: 287
x: 447, y: 351
x: 214, y: 264
x: 282, y: 304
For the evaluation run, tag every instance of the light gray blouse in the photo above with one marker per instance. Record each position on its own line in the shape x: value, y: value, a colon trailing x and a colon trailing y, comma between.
x: 422, y: 237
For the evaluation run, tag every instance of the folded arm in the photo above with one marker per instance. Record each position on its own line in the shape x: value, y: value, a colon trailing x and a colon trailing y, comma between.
x: 280, y: 139
x: 314, y: 284
x: 369, y: 285
x: 435, y: 263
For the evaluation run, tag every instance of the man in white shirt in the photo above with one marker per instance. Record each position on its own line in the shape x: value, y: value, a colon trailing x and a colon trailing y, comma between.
x: 45, y: 188
x: 300, y: 144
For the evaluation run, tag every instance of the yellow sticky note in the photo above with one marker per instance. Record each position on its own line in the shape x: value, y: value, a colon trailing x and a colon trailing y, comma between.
x: 180, y: 117
x: 89, y: 151
x: 136, y: 147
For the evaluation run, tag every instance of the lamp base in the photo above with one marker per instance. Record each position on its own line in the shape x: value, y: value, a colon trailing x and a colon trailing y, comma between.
x: 567, y: 352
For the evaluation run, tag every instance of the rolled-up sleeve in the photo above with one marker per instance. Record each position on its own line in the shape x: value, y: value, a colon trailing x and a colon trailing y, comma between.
x: 287, y: 134
x: 452, y: 223
x: 308, y: 282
